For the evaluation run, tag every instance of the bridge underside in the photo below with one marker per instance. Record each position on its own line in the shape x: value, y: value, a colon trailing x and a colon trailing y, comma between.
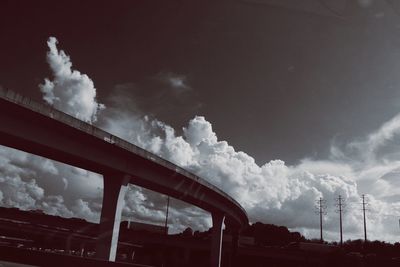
x: 76, y: 143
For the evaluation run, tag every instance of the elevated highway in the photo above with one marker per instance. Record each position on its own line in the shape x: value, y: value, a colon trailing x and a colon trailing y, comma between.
x: 39, y: 129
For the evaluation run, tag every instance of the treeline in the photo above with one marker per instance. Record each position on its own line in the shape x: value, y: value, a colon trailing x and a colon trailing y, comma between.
x: 267, y: 235
x: 263, y: 234
x: 271, y: 235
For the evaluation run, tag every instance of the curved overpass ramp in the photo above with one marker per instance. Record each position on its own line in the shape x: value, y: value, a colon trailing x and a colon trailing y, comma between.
x: 44, y: 131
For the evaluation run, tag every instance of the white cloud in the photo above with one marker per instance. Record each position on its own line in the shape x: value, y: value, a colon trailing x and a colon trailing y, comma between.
x: 262, y: 190
x: 199, y: 130
x: 272, y: 193
x: 55, y: 205
x: 83, y: 210
x: 174, y: 81
x: 70, y: 91
x: 32, y: 182
x: 379, y: 137
x: 18, y: 193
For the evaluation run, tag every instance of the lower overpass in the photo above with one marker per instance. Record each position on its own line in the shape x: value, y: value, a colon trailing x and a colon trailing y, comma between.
x: 39, y: 129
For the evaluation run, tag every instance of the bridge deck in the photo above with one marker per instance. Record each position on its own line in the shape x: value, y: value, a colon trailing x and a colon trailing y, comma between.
x: 176, y: 181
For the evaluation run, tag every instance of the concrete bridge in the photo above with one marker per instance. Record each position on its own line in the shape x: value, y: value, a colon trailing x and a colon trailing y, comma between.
x: 44, y: 131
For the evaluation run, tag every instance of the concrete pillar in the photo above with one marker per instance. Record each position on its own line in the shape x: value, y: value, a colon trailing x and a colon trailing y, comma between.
x: 216, y: 239
x: 113, y: 200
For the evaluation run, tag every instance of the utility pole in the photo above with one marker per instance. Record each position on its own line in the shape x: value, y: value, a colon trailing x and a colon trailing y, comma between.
x: 365, y: 220
x: 340, y: 205
x: 321, y: 210
x: 166, y: 217
x: 399, y: 223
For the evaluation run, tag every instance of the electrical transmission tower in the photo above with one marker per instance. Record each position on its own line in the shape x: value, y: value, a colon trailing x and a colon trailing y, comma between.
x: 340, y: 208
x: 321, y: 210
x: 365, y: 219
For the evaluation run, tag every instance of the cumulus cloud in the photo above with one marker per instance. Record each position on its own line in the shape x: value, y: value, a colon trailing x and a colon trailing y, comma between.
x: 85, y: 210
x: 69, y: 91
x: 26, y: 194
x: 18, y: 193
x: 273, y: 192
x: 55, y: 205
x: 32, y: 182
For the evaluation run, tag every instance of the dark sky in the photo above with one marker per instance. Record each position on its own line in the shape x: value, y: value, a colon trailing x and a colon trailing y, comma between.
x: 278, y: 81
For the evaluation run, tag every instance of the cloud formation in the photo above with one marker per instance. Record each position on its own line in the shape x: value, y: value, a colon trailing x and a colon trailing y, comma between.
x: 69, y: 91
x: 143, y: 97
x: 276, y: 192
x: 30, y: 182
x: 174, y: 81
x: 272, y: 193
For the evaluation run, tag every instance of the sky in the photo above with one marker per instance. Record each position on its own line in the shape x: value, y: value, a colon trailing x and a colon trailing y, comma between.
x: 275, y: 102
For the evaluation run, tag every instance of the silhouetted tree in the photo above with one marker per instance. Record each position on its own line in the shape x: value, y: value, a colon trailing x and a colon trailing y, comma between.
x: 271, y: 235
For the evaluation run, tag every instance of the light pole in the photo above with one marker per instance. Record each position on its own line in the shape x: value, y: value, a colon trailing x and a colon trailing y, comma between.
x: 166, y: 217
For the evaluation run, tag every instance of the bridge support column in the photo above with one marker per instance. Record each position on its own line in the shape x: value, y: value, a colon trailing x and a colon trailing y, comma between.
x: 216, y: 239
x: 113, y: 201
